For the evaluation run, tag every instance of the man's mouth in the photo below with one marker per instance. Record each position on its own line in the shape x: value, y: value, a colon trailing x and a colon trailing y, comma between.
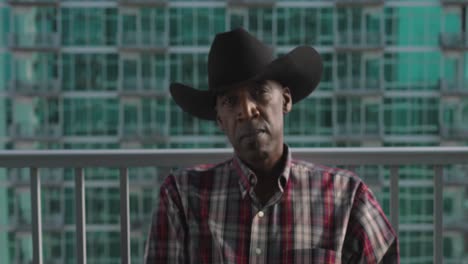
x: 253, y: 133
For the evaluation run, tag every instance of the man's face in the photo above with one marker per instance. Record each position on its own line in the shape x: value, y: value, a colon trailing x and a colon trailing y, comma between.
x: 251, y: 116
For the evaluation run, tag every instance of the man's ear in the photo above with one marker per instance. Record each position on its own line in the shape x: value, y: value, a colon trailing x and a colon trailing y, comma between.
x: 287, y: 100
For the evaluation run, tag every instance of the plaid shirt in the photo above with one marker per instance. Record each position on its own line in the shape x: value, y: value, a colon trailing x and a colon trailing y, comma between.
x: 210, y: 214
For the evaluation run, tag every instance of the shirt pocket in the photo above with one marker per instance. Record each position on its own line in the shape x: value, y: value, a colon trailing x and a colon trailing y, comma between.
x: 315, y: 255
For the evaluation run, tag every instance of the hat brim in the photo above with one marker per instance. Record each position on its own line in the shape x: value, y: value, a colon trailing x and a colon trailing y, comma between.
x: 300, y: 70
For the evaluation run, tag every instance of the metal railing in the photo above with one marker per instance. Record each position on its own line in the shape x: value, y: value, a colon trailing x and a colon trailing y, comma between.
x: 124, y: 159
x: 35, y: 41
x: 454, y: 40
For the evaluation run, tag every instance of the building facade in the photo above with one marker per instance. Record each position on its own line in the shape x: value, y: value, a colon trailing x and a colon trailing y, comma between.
x: 95, y: 74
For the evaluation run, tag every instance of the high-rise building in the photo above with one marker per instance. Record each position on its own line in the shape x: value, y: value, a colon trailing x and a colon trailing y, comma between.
x: 95, y: 74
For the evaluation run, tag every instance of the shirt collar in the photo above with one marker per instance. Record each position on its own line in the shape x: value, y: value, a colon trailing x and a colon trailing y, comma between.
x: 248, y: 179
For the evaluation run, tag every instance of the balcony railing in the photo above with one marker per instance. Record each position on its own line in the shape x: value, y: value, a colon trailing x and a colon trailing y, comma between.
x: 34, y: 2
x: 35, y: 88
x: 47, y: 132
x: 359, y: 2
x: 454, y: 41
x: 356, y: 41
x: 252, y: 3
x: 358, y: 86
x: 453, y: 87
x: 143, y: 86
x: 34, y: 41
x: 124, y: 159
x: 143, y: 41
x: 458, y: 132
x: 454, y: 2
x: 143, y: 2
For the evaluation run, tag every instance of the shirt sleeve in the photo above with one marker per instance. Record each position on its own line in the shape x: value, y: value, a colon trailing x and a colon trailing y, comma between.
x: 167, y: 235
x: 369, y: 237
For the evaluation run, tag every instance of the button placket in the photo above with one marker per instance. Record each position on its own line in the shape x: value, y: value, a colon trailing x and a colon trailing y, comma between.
x: 258, y: 238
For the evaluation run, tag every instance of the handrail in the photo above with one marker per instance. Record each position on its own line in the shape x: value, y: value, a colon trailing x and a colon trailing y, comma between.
x: 185, y: 157
x: 123, y: 159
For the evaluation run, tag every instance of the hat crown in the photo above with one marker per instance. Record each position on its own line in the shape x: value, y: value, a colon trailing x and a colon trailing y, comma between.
x: 236, y: 56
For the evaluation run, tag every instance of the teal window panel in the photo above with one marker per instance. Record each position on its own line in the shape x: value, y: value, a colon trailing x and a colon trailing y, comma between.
x: 260, y: 23
x: 52, y: 246
x: 35, y: 72
x: 452, y: 19
x: 144, y: 27
x: 37, y: 117
x: 4, y: 26
x: 358, y: 72
x: 357, y: 116
x: 85, y: 117
x: 147, y: 72
x: 209, y: 128
x: 313, y: 26
x: 34, y: 26
x: 131, y: 118
x: 195, y: 26
x: 409, y: 31
x: 326, y: 82
x: 20, y: 247
x: 90, y: 72
x: 190, y: 69
x: 412, y: 71
x: 5, y: 70
x: 312, y: 116
x: 103, y: 247
x: 411, y: 116
x: 359, y: 26
x: 416, y: 246
x: 154, y: 117
x: 154, y: 71
x: 89, y: 26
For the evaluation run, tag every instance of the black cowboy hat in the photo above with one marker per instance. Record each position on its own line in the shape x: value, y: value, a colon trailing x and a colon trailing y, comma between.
x: 236, y: 57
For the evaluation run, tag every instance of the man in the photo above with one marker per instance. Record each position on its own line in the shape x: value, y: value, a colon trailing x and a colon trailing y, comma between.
x: 262, y: 206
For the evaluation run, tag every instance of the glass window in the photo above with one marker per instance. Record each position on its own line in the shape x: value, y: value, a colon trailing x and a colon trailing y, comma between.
x: 5, y: 71
x: 154, y: 115
x: 90, y: 72
x: 89, y: 26
x: 144, y: 27
x: 412, y: 71
x: 404, y: 30
x: 406, y: 116
x: 4, y: 27
x: 416, y: 246
x: 36, y: 72
x: 298, y: 26
x: 359, y: 26
x: 312, y: 116
x: 90, y: 116
x: 195, y: 26
x: 358, y: 72
x: 190, y: 69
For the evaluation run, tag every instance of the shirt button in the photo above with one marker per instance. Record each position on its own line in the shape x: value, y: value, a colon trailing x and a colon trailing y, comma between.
x: 258, y: 251
x: 261, y: 214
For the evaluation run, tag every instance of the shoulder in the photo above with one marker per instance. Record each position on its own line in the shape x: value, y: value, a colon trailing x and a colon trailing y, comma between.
x: 304, y: 169
x: 195, y: 176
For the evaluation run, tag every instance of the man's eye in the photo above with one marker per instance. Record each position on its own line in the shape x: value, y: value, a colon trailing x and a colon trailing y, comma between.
x: 261, y: 91
x: 228, y: 101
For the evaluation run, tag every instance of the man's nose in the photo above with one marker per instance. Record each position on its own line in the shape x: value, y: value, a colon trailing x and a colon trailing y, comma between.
x: 248, y: 108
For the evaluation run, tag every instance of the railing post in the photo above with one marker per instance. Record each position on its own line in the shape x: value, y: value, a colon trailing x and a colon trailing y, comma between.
x: 394, y: 198
x: 80, y: 216
x: 36, y: 215
x: 438, y: 214
x: 124, y: 217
